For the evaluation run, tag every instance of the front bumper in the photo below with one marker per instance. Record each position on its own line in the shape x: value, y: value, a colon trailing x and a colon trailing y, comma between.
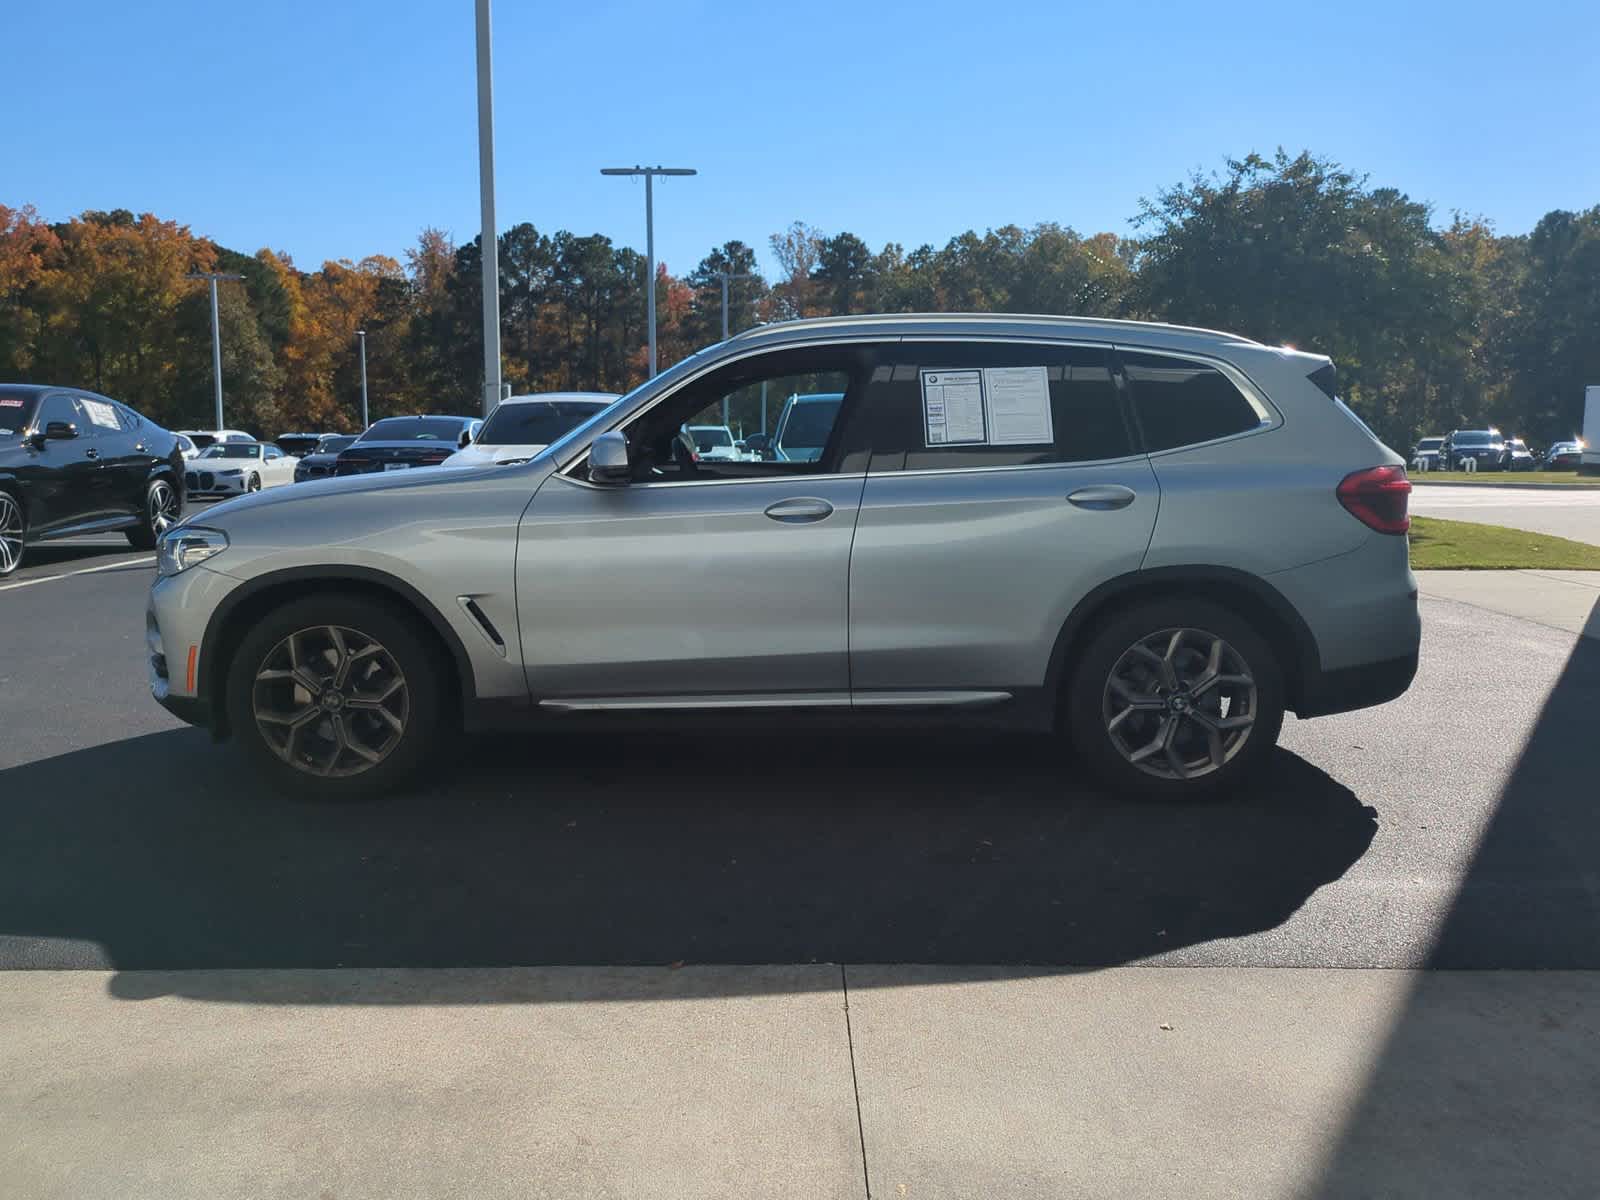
x: 179, y: 610
x: 209, y: 483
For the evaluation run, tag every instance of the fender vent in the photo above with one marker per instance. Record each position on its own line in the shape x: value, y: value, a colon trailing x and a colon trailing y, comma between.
x: 485, y: 626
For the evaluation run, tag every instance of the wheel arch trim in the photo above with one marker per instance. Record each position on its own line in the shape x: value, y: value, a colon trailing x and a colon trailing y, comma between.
x: 1306, y: 663
x: 212, y: 678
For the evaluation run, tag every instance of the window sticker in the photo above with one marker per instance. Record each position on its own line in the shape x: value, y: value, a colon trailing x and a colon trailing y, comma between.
x: 5, y: 403
x: 100, y: 413
x: 1017, y: 404
x: 952, y: 408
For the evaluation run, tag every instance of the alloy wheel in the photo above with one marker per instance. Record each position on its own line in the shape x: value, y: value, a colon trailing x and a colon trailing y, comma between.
x: 331, y: 701
x: 1180, y: 703
x: 163, y: 506
x: 11, y: 534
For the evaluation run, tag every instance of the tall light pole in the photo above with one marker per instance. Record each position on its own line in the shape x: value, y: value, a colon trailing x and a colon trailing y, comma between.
x: 489, y: 241
x: 211, y: 278
x: 649, y: 174
x: 726, y: 277
x: 362, y: 335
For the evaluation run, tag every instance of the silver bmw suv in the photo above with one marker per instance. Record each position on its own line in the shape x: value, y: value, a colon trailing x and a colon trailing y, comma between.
x: 1153, y: 539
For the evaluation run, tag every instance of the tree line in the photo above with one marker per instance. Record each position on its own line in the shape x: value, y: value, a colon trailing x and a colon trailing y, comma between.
x: 1432, y: 326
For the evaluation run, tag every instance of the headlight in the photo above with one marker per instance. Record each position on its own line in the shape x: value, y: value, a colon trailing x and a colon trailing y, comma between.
x: 230, y: 474
x: 183, y: 547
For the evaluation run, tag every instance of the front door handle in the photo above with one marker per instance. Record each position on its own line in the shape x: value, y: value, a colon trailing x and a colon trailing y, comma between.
x: 1102, y: 497
x: 91, y: 453
x: 799, y: 511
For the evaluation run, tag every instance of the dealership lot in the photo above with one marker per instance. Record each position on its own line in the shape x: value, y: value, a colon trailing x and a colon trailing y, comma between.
x: 1567, y: 512
x: 166, y: 926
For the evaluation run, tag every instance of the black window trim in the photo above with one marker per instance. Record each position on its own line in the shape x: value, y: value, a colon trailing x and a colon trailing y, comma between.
x: 1270, y: 417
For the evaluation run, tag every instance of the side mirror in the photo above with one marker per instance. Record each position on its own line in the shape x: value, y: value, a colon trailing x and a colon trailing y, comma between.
x: 466, y: 440
x: 608, y: 459
x: 56, y: 431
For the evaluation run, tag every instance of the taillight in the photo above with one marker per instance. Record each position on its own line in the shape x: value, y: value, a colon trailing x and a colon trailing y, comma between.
x: 1377, y: 497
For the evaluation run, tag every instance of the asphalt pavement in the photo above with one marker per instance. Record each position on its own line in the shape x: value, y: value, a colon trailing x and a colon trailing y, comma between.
x: 1454, y: 827
x: 1569, y: 512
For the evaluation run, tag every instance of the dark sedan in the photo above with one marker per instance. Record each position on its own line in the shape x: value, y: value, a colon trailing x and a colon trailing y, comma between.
x: 1518, y: 457
x: 320, y: 461
x: 1564, y: 456
x: 398, y: 443
x: 1484, y: 448
x: 74, y: 462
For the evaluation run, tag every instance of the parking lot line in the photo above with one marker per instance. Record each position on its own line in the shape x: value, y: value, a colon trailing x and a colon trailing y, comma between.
x: 22, y: 583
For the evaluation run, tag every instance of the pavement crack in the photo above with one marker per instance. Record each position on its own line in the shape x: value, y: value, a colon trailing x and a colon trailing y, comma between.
x: 855, y: 1083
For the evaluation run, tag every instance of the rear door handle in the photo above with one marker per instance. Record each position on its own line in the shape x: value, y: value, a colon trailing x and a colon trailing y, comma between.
x: 799, y: 511
x: 1102, y: 496
x: 91, y: 453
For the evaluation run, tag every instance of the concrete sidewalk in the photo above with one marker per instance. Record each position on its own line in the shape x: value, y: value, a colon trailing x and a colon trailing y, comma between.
x: 1568, y: 600
x: 798, y: 1081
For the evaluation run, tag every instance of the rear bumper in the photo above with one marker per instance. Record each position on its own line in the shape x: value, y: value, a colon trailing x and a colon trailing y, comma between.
x: 1355, y: 687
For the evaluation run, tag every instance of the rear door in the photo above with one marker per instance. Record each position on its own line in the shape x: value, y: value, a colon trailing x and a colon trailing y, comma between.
x: 125, y: 461
x: 1005, y: 483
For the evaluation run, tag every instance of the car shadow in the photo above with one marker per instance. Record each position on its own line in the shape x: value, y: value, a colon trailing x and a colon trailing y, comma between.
x: 646, y: 850
x: 67, y: 553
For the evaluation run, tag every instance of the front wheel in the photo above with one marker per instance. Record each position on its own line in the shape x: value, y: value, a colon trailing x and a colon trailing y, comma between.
x: 13, y: 533
x: 336, y: 698
x: 1176, y: 699
x: 254, y: 485
x: 161, y: 512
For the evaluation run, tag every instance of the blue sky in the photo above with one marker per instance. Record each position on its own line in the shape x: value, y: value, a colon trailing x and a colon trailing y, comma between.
x: 341, y: 128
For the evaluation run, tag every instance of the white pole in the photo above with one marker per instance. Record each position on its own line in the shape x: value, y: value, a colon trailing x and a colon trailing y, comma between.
x: 650, y: 265
x: 491, y: 247
x: 362, y: 334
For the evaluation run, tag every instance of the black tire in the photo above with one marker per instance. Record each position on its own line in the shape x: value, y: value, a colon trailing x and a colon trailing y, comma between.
x: 162, y: 509
x: 253, y: 484
x: 1091, y: 698
x: 13, y: 531
x: 301, y: 764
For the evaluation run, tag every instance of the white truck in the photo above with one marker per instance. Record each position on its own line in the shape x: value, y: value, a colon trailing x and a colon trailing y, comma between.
x: 1590, y: 464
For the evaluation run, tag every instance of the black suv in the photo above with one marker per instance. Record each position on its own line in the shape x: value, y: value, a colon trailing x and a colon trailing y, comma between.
x: 1518, y: 456
x: 75, y: 462
x: 1486, y: 447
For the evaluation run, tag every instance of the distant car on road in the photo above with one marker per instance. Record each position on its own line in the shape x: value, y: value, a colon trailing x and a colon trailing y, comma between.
x: 321, y: 459
x: 76, y: 462
x: 1563, y: 456
x: 1518, y: 457
x: 237, y: 468
x: 298, y: 444
x: 521, y: 426
x: 398, y: 443
x: 1425, y: 454
x: 201, y: 438
x: 1486, y: 448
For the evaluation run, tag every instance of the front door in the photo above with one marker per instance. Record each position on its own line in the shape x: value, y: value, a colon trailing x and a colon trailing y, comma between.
x: 701, y: 581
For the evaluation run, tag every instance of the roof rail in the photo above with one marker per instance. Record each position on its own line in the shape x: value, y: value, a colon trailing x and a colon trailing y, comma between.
x: 1054, y: 319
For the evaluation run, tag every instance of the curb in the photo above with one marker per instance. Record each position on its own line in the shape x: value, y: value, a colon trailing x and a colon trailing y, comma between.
x: 1420, y: 481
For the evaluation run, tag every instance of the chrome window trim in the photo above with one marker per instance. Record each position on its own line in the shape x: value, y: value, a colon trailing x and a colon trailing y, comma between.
x: 686, y: 483
x: 1047, y: 466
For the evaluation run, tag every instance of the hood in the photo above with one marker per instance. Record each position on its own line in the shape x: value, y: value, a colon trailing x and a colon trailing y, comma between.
x: 392, y: 481
x: 483, y: 456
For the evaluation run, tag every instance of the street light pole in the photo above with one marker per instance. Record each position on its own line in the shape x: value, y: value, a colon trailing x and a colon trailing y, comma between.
x: 362, y: 334
x: 489, y: 241
x: 649, y: 174
x: 211, y: 278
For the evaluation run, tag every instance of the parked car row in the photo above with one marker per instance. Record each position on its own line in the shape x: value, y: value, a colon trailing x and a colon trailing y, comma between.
x: 1490, y: 450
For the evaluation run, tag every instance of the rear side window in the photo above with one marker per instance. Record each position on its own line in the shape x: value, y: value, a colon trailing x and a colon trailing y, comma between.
x: 1181, y: 402
x: 1087, y: 418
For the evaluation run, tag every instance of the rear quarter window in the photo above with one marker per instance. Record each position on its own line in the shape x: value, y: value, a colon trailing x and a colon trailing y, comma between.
x: 1182, y: 402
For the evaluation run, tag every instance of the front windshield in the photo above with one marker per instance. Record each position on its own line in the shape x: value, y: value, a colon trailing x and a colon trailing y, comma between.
x: 537, y: 422
x: 232, y: 450
x: 1430, y: 443
x: 420, y: 429
x: 16, y: 410
x: 1472, y: 439
x: 668, y: 378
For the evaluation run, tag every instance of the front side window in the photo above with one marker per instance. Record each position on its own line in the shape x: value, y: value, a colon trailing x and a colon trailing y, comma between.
x: 799, y: 396
x: 943, y: 405
x: 1181, y: 402
x: 59, y: 408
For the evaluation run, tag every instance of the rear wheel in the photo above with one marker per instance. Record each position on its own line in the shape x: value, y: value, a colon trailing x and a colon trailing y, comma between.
x: 161, y: 512
x: 336, y: 698
x: 1176, y: 699
x: 13, y: 533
